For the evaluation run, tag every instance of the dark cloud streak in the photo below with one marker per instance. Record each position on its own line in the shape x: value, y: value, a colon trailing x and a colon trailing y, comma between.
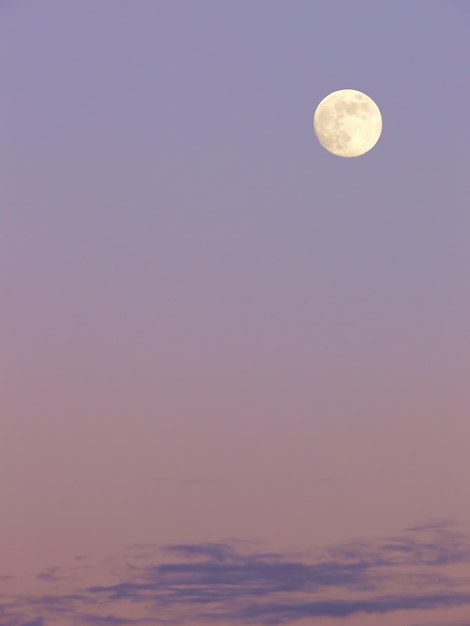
x: 211, y: 582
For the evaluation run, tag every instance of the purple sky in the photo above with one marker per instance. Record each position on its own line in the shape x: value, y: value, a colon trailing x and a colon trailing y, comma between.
x: 220, y: 343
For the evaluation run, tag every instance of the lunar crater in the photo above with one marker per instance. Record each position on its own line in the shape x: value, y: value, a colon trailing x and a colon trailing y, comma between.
x: 347, y: 123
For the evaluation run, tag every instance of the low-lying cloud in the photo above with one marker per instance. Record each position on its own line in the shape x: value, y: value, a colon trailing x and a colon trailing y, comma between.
x: 217, y: 582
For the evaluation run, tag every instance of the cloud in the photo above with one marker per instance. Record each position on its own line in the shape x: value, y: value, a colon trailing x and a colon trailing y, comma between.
x: 278, y: 613
x: 50, y: 575
x: 217, y: 582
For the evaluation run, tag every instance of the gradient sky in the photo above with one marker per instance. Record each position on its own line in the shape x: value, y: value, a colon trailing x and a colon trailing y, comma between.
x: 233, y: 367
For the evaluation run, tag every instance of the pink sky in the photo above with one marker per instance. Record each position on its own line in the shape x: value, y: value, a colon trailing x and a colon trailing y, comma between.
x: 218, y: 341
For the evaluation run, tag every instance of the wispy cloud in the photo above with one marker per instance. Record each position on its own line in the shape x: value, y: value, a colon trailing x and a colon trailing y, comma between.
x: 50, y: 575
x: 217, y: 582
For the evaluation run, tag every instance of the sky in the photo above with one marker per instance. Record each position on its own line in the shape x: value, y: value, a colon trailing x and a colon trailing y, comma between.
x: 233, y: 366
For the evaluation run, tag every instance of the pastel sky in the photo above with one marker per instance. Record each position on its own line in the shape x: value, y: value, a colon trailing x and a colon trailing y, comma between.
x: 233, y: 367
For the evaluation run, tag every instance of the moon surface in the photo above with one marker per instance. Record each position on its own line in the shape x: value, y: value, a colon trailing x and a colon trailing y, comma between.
x: 347, y: 123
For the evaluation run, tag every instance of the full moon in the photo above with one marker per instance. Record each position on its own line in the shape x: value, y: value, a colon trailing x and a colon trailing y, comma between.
x: 347, y: 123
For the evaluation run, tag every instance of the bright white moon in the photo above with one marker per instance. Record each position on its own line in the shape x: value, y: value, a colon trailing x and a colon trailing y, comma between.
x: 347, y: 123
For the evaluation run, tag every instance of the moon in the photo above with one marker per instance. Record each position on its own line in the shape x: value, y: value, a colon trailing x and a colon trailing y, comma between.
x: 347, y: 123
